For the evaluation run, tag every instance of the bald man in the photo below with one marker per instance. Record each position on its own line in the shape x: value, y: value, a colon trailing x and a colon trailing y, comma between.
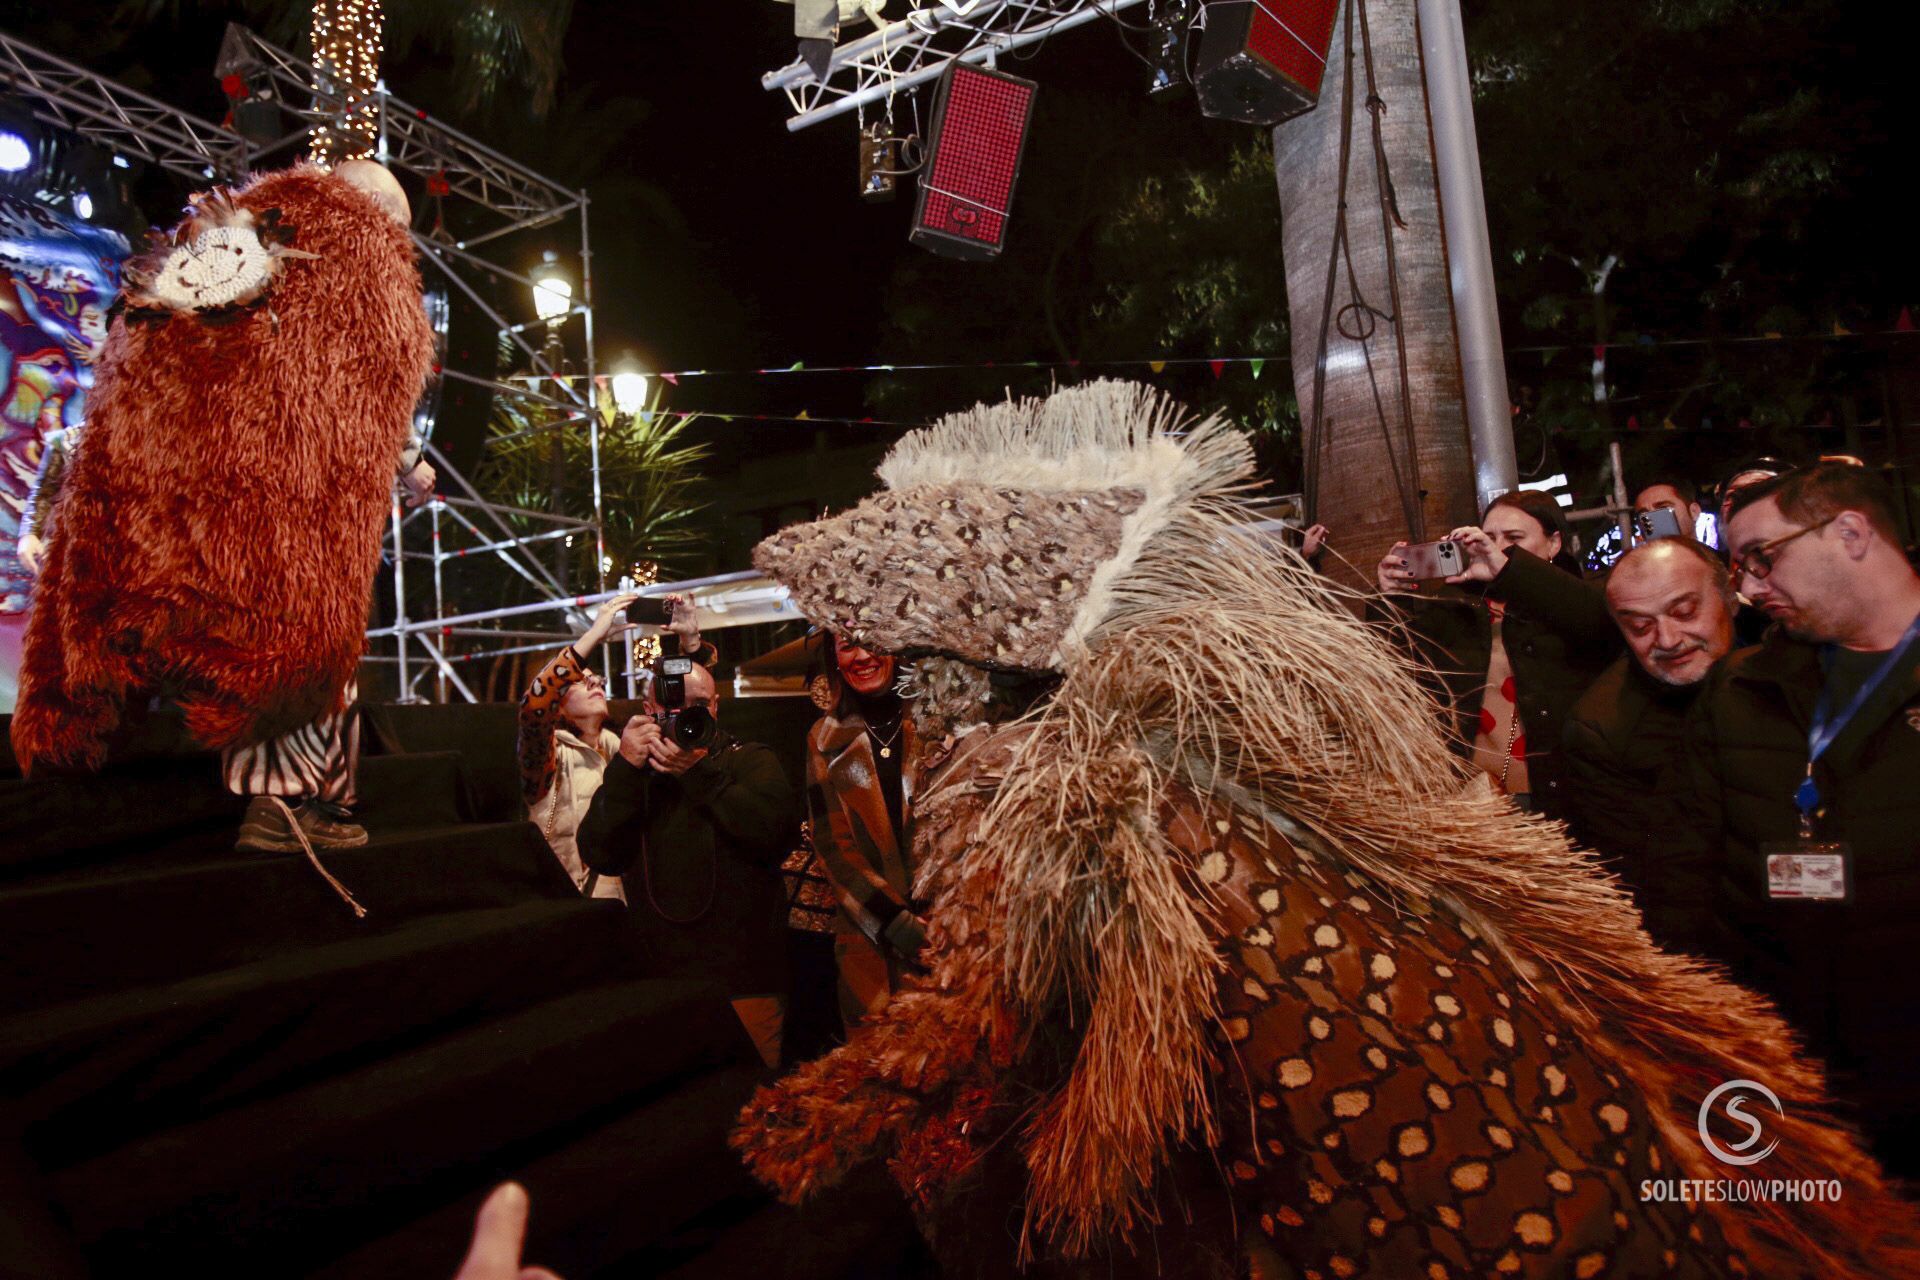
x: 1674, y: 604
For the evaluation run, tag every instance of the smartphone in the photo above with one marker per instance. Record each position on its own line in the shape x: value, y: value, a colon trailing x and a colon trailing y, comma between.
x: 650, y: 611
x: 1427, y: 560
x: 1661, y: 522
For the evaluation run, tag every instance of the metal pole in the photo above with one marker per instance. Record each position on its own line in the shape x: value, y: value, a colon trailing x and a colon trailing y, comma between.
x: 1623, y: 513
x: 593, y: 419
x: 399, y: 598
x: 1463, y: 216
x: 439, y: 593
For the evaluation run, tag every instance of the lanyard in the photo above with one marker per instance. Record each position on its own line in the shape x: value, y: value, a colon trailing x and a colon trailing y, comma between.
x: 1827, y: 726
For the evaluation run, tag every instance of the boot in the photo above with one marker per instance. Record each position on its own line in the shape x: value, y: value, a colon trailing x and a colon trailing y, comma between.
x: 265, y: 828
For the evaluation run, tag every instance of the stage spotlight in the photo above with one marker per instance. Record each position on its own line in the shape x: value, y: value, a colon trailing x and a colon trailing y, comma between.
x: 1171, y: 24
x: 15, y: 154
x: 83, y: 205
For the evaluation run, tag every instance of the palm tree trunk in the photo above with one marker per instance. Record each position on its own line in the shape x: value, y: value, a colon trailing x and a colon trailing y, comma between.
x: 1393, y: 458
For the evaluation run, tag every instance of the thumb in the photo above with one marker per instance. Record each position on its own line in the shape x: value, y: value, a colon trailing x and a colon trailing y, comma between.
x: 498, y: 1232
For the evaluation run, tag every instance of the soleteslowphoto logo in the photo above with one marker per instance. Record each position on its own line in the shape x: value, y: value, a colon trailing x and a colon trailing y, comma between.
x: 1733, y: 1129
x: 1732, y: 1098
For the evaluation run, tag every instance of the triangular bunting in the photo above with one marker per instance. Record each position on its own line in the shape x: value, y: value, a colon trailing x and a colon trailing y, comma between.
x: 1160, y: 366
x: 674, y: 378
x: 1218, y: 366
x: 1905, y: 323
x: 1258, y: 364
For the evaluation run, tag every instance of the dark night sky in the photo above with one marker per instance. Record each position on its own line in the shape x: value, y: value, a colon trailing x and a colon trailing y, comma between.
x: 767, y: 255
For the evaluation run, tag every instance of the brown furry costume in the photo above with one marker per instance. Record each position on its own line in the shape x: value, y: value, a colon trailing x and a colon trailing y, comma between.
x: 220, y: 531
x: 1232, y: 964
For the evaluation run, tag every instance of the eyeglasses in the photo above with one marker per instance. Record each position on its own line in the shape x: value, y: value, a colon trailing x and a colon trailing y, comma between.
x: 1758, y: 562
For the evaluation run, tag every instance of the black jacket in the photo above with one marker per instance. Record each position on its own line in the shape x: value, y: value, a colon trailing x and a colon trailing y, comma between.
x: 1558, y: 635
x: 700, y: 856
x: 1620, y: 745
x: 1846, y: 974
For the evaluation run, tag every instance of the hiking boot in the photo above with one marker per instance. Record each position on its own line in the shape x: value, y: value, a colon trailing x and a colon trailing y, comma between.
x: 266, y: 830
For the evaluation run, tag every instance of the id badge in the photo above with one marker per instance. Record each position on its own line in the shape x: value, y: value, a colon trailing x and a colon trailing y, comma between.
x: 1809, y: 871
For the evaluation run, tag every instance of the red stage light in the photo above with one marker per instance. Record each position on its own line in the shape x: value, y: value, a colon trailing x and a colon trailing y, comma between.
x: 1261, y: 61
x: 980, y: 121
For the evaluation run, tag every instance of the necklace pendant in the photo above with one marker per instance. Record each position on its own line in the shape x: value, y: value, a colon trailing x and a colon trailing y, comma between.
x: 886, y: 753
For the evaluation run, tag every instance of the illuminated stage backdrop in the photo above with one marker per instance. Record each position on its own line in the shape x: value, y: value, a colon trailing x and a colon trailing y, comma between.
x: 58, y: 277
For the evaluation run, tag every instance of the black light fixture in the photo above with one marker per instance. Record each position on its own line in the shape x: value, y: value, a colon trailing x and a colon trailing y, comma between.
x: 1172, y: 21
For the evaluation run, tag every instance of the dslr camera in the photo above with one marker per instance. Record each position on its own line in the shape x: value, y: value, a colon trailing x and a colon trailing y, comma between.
x: 689, y: 728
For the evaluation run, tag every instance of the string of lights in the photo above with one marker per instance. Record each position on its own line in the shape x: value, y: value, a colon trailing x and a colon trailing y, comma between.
x: 346, y: 36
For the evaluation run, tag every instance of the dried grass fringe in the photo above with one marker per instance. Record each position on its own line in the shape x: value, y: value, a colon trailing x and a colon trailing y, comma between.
x: 1225, y: 664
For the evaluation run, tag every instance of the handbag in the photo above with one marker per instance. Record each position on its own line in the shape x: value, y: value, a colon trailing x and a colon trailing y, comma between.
x: 811, y: 900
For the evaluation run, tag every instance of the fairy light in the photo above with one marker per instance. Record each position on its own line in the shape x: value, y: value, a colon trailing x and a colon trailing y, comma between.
x: 645, y: 648
x: 346, y: 59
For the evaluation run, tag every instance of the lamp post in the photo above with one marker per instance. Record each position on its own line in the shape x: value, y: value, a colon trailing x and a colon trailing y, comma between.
x: 552, y: 301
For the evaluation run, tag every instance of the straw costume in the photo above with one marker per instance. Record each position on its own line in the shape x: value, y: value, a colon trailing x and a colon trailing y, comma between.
x: 1233, y: 968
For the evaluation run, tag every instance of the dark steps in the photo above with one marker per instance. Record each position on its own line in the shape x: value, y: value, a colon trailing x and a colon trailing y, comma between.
x: 275, y: 1185
x: 605, y: 1205
x: 178, y: 809
x: 86, y: 933
x: 93, y: 1074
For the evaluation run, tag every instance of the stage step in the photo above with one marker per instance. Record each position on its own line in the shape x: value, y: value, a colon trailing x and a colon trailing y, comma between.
x: 176, y: 810
x: 96, y: 931
x: 94, y: 1074
x: 274, y: 1186
x: 601, y: 1204
x: 861, y: 1230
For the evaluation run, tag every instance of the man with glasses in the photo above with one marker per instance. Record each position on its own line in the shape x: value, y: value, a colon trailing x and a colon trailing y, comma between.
x: 1798, y: 862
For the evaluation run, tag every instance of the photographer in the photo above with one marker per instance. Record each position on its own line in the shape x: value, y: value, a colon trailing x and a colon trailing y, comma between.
x: 562, y: 742
x: 1508, y: 660
x: 696, y: 826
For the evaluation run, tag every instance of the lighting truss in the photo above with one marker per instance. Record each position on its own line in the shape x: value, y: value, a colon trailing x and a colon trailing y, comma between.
x: 74, y: 100
x: 905, y: 54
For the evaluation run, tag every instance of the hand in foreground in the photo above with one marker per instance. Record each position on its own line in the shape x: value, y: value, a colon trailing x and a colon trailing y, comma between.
x: 30, y: 549
x: 610, y: 621
x: 1393, y: 574
x: 419, y: 483
x: 1313, y: 540
x: 1485, y: 559
x: 499, y: 1231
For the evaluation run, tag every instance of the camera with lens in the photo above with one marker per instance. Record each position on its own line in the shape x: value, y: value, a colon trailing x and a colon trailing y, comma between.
x: 689, y: 728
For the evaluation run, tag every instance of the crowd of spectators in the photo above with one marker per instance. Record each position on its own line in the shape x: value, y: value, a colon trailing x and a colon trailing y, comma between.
x: 1735, y: 730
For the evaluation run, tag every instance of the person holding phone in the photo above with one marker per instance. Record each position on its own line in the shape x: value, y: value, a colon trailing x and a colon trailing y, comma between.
x: 562, y: 741
x: 1508, y: 658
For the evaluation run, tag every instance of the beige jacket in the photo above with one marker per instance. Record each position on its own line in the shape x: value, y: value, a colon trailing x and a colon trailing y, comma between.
x: 578, y: 771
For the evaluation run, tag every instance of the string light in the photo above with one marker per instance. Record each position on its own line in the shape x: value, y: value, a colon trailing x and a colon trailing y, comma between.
x: 346, y: 38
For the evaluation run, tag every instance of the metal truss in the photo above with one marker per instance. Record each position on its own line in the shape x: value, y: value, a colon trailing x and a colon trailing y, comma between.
x: 409, y: 139
x: 74, y: 100
x: 905, y: 54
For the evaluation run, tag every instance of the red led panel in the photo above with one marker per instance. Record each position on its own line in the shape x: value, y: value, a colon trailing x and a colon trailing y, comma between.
x: 1294, y: 36
x: 966, y: 189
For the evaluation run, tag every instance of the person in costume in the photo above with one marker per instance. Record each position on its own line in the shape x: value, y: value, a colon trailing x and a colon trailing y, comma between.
x: 859, y: 802
x: 220, y: 531
x: 1233, y: 968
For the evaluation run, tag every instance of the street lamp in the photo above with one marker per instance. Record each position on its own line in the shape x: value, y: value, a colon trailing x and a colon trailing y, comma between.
x: 552, y: 291
x: 629, y: 391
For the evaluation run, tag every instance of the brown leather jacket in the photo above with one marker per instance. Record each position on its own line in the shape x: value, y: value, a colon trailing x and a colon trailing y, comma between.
x: 864, y: 857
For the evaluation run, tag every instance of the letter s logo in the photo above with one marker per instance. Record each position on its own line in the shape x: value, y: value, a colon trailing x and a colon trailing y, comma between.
x: 1741, y: 1152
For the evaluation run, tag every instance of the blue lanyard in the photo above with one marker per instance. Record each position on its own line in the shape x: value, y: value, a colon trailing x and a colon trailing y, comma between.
x: 1826, y: 726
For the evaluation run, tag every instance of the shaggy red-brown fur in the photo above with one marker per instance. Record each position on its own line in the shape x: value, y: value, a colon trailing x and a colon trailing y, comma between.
x: 220, y: 527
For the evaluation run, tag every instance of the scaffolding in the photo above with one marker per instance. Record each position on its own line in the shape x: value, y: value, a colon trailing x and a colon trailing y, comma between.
x: 503, y: 197
x: 902, y: 55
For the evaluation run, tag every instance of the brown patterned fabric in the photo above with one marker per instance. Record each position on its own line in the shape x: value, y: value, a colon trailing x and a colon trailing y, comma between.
x: 899, y: 570
x: 1385, y: 1107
